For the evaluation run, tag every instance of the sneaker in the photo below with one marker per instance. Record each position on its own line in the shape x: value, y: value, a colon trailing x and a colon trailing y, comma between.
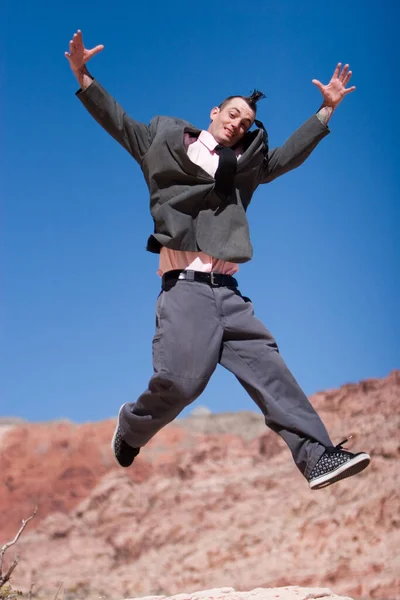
x: 336, y: 464
x: 123, y: 453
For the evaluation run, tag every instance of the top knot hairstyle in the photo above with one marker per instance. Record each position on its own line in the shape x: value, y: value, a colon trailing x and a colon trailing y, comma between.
x: 251, y: 100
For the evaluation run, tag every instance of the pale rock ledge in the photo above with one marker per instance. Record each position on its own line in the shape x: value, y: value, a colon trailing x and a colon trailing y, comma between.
x: 281, y: 593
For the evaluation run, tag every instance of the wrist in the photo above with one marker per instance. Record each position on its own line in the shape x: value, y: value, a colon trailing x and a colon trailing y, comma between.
x: 83, y: 76
x: 331, y: 105
x: 325, y: 112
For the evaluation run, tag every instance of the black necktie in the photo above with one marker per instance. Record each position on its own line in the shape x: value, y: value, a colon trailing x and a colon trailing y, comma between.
x: 225, y: 174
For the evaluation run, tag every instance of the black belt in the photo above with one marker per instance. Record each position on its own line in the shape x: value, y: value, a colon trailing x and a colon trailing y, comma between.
x: 214, y: 279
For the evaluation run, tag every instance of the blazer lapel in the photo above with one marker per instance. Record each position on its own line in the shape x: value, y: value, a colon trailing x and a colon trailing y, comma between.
x: 255, y: 141
x: 176, y: 145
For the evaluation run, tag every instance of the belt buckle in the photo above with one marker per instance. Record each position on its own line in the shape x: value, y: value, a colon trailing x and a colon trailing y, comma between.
x: 212, y: 278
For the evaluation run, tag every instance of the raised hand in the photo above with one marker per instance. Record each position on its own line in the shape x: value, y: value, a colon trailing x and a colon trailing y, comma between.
x: 78, y: 55
x: 336, y: 90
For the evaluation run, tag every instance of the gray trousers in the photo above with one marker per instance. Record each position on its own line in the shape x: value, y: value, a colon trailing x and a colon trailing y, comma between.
x: 199, y: 326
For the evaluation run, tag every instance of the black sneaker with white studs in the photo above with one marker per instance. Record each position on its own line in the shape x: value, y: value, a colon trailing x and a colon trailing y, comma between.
x: 123, y: 453
x: 336, y: 464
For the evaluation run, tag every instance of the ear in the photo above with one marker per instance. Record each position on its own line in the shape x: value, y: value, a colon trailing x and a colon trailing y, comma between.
x: 214, y: 113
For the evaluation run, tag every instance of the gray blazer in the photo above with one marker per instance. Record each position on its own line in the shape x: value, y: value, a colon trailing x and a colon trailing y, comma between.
x: 188, y: 215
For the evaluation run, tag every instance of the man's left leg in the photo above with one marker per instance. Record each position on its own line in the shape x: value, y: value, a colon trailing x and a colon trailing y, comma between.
x: 251, y: 353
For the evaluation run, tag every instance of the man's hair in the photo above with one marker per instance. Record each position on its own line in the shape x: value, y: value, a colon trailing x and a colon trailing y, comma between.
x: 251, y: 100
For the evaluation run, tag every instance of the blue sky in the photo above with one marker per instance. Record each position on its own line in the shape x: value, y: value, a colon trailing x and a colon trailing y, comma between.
x: 78, y: 289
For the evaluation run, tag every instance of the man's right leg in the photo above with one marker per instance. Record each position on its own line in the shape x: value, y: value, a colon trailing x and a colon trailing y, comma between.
x: 186, y: 349
x: 251, y: 353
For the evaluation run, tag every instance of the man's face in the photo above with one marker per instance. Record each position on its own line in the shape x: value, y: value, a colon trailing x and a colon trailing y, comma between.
x: 229, y: 124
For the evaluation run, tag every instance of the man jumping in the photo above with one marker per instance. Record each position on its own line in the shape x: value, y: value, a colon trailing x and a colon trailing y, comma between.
x: 201, y: 184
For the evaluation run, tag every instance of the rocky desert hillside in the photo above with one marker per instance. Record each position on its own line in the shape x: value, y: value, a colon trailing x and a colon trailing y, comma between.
x: 212, y: 501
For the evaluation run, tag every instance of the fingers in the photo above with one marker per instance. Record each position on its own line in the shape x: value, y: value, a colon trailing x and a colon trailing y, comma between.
x: 77, y: 40
x: 347, y: 78
x: 72, y: 47
x: 318, y: 84
x: 343, y: 74
x: 76, y: 43
x: 344, y: 78
x: 336, y: 71
x: 96, y: 50
x: 76, y: 47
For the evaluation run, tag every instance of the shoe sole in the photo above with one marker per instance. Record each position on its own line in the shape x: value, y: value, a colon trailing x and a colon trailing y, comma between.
x: 113, y: 438
x: 352, y: 467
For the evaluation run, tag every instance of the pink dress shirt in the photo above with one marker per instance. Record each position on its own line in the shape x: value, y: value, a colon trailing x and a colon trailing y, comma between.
x: 202, y: 153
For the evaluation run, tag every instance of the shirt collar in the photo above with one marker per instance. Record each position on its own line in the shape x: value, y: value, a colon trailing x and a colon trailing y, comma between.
x: 208, y: 140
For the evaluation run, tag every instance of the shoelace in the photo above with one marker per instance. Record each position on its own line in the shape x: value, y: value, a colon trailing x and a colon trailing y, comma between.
x: 339, y: 446
x: 341, y: 443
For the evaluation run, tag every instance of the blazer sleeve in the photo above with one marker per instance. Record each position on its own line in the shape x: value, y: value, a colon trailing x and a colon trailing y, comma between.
x: 135, y: 137
x: 294, y: 151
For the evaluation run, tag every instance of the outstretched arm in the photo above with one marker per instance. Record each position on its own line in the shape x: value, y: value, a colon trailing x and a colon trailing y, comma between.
x: 135, y: 137
x: 299, y: 146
